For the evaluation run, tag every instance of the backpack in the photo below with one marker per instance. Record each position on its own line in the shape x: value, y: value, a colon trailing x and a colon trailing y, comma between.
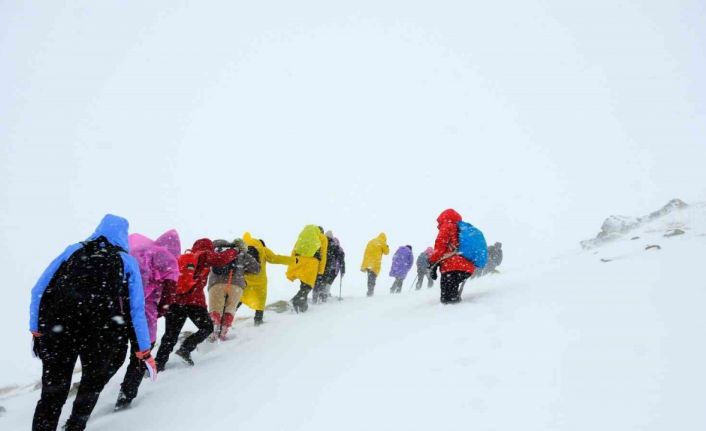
x: 89, y: 287
x: 472, y: 245
x: 252, y: 251
x: 308, y: 242
x: 225, y: 269
x: 191, y: 270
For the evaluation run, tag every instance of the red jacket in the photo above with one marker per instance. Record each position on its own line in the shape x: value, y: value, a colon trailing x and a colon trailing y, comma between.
x: 447, y: 242
x: 208, y: 259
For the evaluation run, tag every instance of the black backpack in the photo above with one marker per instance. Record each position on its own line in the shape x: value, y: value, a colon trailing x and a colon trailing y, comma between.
x: 224, y: 270
x: 89, y: 288
x: 252, y: 251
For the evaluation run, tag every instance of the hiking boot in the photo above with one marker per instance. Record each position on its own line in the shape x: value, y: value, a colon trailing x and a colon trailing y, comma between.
x: 223, y: 336
x: 303, y: 306
x: 300, y: 306
x: 186, y: 356
x: 75, y: 423
x: 214, y: 335
x: 122, y: 404
x: 258, y: 317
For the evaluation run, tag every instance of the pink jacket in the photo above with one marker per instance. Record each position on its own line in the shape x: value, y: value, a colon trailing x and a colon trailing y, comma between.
x: 158, y: 264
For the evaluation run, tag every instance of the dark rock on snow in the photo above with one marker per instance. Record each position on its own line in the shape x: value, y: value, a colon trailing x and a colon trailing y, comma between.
x: 674, y: 232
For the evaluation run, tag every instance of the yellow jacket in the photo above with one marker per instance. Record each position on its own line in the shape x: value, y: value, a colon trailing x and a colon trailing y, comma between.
x: 376, y: 248
x: 255, y: 294
x: 307, y: 269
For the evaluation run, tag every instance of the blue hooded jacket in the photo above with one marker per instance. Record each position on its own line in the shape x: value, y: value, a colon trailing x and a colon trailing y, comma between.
x: 115, y: 230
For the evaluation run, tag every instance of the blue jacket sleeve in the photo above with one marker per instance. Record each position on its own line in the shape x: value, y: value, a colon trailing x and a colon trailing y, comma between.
x: 137, y: 302
x: 43, y: 282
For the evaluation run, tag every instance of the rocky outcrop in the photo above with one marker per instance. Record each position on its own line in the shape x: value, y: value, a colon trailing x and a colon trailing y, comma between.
x: 615, y: 227
x: 673, y: 205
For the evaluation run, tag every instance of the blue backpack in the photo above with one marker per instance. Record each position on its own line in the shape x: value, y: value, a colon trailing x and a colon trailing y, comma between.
x: 472, y: 245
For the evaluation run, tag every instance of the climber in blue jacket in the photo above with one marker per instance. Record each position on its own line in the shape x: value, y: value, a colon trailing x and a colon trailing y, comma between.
x: 87, y: 304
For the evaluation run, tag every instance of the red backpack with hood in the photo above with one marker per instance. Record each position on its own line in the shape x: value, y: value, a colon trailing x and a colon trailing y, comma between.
x: 193, y: 267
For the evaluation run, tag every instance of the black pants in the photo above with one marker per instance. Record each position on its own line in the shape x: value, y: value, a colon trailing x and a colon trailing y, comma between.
x: 102, y: 350
x: 175, y: 320
x: 450, y: 282
x: 420, y: 279
x: 133, y: 376
x: 372, y: 278
x: 397, y: 285
x: 318, y: 293
x: 299, y: 301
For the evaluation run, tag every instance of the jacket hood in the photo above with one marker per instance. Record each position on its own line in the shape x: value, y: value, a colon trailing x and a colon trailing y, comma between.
x: 170, y: 240
x: 222, y: 243
x: 240, y: 245
x: 139, y: 242
x: 404, y: 250
x: 114, y: 229
x: 382, y: 237
x: 254, y: 242
x: 449, y: 216
x: 202, y: 244
x: 247, y: 237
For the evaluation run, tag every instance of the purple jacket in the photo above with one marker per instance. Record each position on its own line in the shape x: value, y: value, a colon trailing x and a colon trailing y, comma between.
x: 158, y: 263
x: 402, y: 262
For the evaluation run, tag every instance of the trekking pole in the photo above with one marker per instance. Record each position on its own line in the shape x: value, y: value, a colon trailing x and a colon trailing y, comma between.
x: 413, y: 282
x: 340, y: 287
x: 460, y: 289
x: 220, y: 326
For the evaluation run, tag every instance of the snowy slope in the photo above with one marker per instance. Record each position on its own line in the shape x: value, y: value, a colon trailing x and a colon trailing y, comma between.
x: 575, y: 344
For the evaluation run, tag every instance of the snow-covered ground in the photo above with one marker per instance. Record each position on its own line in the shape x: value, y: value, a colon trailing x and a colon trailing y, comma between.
x: 606, y: 339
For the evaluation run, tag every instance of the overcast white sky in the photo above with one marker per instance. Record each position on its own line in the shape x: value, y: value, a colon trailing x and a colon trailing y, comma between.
x: 534, y: 119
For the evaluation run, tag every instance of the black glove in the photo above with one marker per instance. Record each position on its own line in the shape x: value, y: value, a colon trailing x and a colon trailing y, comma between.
x: 432, y: 271
x: 36, y: 350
